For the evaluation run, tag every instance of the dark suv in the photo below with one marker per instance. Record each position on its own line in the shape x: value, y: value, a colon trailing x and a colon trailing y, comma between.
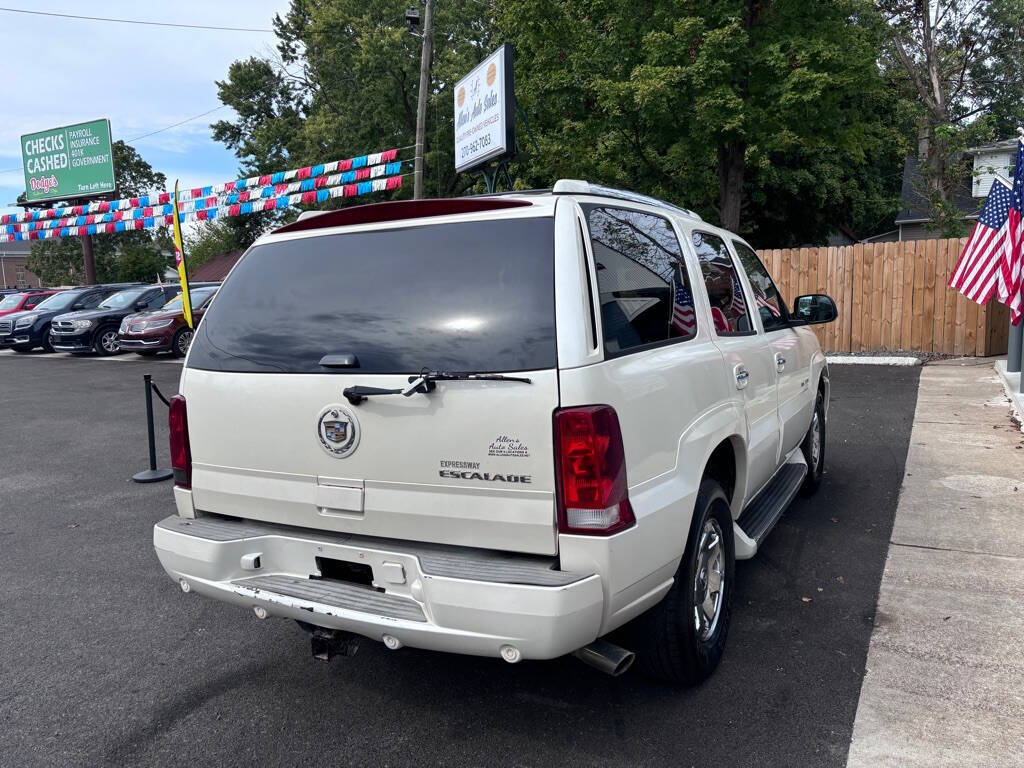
x: 95, y: 329
x: 24, y: 331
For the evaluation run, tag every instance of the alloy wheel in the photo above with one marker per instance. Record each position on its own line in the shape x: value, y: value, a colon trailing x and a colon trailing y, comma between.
x: 184, y: 340
x: 709, y: 580
x: 110, y: 343
x: 815, y: 441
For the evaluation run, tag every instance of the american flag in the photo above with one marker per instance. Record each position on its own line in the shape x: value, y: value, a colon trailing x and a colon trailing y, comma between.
x: 1010, y: 286
x: 739, y: 306
x: 978, y: 270
x: 767, y: 304
x: 684, y: 319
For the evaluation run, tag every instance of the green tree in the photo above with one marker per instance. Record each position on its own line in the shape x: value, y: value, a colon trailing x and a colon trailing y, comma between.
x: 770, y: 117
x: 122, y: 256
x: 961, y: 63
x: 210, y: 240
x: 344, y: 82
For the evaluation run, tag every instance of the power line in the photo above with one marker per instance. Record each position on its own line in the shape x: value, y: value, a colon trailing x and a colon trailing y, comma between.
x: 134, y: 21
x: 175, y: 125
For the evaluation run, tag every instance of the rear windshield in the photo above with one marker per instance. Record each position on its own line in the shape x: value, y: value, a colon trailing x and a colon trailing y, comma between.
x: 472, y: 296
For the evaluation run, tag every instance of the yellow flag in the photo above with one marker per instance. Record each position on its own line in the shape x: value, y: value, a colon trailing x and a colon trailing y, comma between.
x: 179, y: 260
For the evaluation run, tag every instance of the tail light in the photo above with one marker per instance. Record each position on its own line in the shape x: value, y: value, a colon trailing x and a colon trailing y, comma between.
x: 181, y: 453
x: 593, y: 497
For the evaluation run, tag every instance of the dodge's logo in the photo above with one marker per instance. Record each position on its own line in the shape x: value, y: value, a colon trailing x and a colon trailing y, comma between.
x: 337, y: 430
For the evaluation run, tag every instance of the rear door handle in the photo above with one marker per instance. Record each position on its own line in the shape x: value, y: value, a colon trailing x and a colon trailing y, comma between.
x: 742, y: 376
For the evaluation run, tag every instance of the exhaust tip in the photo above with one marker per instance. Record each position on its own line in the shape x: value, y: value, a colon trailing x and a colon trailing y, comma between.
x: 607, y: 657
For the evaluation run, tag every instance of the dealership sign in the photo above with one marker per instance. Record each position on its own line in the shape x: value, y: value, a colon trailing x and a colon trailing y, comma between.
x: 485, y: 112
x: 74, y: 161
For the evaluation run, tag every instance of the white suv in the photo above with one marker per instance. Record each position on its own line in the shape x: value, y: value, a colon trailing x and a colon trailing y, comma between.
x: 503, y: 426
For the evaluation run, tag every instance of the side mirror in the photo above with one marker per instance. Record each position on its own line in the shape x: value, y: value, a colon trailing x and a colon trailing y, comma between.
x: 815, y: 308
x: 78, y: 305
x: 140, y: 305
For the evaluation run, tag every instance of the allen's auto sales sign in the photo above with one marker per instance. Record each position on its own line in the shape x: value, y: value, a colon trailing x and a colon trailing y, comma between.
x: 484, y: 112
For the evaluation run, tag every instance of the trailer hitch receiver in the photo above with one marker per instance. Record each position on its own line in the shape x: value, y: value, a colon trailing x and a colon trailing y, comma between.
x: 328, y: 643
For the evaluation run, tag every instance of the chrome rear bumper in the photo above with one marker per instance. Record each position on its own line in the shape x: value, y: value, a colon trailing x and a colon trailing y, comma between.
x: 427, y: 596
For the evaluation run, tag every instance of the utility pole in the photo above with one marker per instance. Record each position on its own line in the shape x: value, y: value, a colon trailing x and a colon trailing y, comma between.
x: 421, y: 107
x: 89, y: 261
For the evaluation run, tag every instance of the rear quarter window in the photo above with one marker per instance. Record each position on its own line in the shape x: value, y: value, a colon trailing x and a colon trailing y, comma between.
x: 468, y: 296
x: 645, y: 290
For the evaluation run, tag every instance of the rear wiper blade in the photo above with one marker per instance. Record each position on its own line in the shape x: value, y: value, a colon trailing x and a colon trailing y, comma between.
x: 424, y: 383
x: 427, y: 375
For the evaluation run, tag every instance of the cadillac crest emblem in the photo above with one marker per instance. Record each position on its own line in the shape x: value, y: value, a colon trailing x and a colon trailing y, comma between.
x: 338, y: 430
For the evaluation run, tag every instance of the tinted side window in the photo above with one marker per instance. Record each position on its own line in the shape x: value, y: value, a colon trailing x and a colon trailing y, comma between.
x: 31, y: 301
x: 155, y: 299
x: 645, y: 291
x: 90, y: 300
x: 725, y: 292
x: 766, y: 296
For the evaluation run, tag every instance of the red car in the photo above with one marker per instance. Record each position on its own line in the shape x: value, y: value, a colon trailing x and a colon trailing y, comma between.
x: 27, y: 299
x: 164, y: 329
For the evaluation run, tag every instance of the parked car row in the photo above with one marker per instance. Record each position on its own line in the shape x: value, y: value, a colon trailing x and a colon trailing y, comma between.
x: 102, y: 319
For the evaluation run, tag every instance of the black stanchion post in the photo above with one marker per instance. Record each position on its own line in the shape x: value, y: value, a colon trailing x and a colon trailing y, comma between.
x: 151, y: 475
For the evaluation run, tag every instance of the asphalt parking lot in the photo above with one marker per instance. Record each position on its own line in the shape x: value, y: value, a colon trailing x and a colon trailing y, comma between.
x: 103, y: 661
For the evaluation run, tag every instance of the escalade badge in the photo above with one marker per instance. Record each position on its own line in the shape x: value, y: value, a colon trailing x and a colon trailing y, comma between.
x: 338, y: 430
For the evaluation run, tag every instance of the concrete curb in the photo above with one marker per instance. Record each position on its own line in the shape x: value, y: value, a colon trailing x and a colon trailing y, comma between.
x: 872, y: 360
x: 1011, y: 383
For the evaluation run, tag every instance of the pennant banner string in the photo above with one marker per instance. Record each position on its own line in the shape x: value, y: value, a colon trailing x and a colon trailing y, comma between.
x: 321, y: 195
x: 161, y: 198
x: 213, y: 201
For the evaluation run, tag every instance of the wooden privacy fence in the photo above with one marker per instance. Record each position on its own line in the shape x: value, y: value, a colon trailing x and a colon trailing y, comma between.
x: 892, y: 297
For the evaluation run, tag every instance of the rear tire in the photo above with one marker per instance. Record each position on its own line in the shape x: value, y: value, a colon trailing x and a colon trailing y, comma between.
x: 47, y: 346
x: 813, y: 447
x: 682, y: 638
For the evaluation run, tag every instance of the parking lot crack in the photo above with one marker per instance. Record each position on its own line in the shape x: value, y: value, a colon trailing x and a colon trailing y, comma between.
x: 953, y: 549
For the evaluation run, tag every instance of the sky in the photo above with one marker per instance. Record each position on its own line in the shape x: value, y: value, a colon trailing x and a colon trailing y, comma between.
x: 142, y: 78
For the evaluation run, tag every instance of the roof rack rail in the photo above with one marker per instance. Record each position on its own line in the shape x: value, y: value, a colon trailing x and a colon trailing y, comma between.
x: 580, y: 187
x: 511, y: 192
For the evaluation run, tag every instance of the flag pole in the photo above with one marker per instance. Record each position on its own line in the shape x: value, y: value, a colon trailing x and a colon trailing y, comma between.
x: 1015, y: 347
x: 179, y: 258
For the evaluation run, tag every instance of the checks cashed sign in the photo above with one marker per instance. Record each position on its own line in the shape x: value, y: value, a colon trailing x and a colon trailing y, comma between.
x: 485, y: 112
x: 73, y: 161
